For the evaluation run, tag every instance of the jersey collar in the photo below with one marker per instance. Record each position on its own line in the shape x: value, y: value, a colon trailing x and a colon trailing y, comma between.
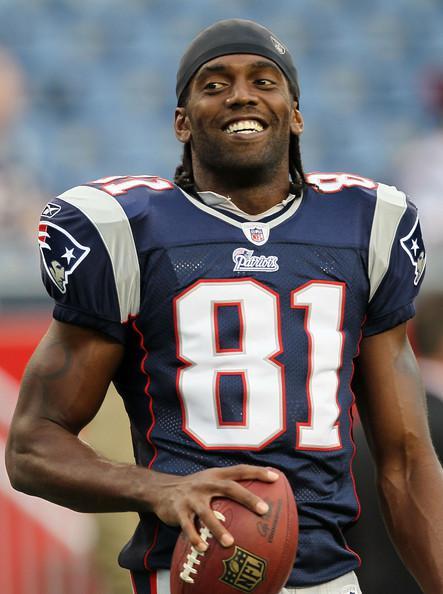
x: 225, y: 203
x: 236, y: 217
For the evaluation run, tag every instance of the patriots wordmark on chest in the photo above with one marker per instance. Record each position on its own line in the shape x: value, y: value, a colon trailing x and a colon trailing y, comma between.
x: 245, y: 261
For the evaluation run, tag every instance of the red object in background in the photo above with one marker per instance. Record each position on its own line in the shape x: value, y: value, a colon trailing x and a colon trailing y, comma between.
x: 19, y: 335
x: 44, y: 548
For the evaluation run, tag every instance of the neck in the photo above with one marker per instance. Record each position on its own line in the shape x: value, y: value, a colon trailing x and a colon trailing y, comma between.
x: 253, y: 194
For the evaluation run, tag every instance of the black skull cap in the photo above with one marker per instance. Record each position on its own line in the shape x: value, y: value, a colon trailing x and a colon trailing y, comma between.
x: 234, y: 36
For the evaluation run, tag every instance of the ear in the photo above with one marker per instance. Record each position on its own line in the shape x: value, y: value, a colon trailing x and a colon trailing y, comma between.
x: 297, y: 123
x: 182, y: 125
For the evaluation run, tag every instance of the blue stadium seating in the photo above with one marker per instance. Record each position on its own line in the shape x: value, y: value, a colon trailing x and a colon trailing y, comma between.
x: 101, y: 77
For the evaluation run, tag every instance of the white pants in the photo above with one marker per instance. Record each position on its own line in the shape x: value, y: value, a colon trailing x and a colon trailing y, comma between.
x: 346, y: 584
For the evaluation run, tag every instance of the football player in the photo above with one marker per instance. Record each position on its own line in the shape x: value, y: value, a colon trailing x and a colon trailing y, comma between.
x: 233, y: 309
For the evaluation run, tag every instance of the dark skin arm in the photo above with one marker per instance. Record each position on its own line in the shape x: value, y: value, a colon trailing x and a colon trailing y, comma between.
x: 63, y: 388
x: 391, y: 403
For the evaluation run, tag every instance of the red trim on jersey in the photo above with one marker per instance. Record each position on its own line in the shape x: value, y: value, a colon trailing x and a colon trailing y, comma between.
x: 221, y: 422
x: 146, y: 391
x: 215, y: 307
x: 351, y: 472
x: 134, y: 587
x: 351, y: 436
x: 351, y: 419
x: 151, y: 547
x: 186, y: 363
x: 150, y: 429
x: 299, y: 425
x: 153, y: 582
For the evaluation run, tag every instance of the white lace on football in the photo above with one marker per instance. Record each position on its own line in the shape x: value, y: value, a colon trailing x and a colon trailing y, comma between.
x: 192, y: 557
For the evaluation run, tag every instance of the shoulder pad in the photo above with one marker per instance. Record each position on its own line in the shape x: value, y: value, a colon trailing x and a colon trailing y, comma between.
x: 390, y: 207
x: 113, y: 226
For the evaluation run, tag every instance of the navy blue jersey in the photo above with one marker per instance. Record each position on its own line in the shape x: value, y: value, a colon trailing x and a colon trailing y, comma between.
x: 239, y: 335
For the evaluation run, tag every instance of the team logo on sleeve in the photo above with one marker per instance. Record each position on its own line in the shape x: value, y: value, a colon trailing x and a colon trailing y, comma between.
x: 412, y: 243
x: 61, y: 253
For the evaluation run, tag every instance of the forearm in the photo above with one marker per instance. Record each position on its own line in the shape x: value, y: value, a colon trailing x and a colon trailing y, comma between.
x: 62, y: 390
x: 58, y: 466
x: 51, y: 463
x: 392, y: 408
x: 412, y: 503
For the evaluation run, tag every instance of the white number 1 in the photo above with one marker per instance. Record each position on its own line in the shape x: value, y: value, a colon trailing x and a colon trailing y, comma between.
x: 262, y: 376
x: 324, y: 304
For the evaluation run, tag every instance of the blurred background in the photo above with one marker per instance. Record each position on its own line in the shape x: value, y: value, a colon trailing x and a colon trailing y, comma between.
x: 87, y: 91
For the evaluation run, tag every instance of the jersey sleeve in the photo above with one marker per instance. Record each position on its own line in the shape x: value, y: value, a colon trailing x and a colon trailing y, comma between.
x: 89, y: 261
x: 396, y: 261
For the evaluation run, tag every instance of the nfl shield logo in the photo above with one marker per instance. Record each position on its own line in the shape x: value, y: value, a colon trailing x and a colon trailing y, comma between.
x: 257, y: 234
x: 244, y: 570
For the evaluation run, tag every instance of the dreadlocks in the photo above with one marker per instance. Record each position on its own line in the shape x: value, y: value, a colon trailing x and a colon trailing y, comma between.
x: 184, y: 175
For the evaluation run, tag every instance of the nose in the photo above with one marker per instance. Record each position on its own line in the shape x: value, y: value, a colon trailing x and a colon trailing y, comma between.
x: 242, y: 93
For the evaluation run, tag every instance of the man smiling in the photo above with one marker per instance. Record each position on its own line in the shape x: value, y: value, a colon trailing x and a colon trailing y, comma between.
x: 229, y: 310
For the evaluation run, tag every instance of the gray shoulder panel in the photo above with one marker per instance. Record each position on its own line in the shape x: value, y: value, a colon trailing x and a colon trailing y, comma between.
x: 112, y: 224
x: 389, y: 210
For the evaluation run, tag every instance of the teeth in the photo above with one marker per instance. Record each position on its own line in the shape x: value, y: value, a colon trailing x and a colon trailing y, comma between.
x: 244, y: 127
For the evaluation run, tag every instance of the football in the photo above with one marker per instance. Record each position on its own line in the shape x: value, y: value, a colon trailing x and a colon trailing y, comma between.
x: 263, y: 553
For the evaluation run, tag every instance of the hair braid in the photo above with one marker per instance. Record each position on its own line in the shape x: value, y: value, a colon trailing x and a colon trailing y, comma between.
x: 184, y: 175
x: 295, y: 165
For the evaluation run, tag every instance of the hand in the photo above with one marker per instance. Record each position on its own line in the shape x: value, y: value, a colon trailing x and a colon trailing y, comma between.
x: 180, y: 499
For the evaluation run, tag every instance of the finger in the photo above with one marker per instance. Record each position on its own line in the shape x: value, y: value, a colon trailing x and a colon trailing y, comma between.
x: 244, y: 496
x: 215, y: 527
x: 242, y: 472
x: 189, y: 528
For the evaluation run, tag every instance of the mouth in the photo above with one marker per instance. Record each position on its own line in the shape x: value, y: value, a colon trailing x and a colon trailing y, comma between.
x: 244, y: 127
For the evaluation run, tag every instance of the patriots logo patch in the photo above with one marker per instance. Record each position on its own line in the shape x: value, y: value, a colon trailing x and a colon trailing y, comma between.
x: 413, y: 245
x: 61, y: 253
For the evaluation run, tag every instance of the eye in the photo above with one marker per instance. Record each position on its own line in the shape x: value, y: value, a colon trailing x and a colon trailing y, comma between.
x: 264, y: 82
x: 213, y: 86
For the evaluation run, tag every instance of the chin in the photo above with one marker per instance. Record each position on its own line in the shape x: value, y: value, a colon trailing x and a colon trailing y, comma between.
x: 245, y: 171
x: 244, y: 160
x: 241, y: 159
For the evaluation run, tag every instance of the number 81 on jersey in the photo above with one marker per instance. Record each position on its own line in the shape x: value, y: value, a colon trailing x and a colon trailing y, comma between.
x: 262, y: 375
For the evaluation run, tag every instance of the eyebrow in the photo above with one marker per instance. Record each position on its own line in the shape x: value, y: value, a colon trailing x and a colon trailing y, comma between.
x: 219, y: 68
